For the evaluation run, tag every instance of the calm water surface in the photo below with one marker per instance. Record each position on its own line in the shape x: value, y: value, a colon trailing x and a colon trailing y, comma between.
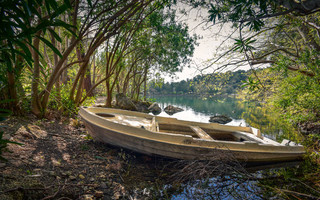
x: 242, y: 114
x: 196, y: 109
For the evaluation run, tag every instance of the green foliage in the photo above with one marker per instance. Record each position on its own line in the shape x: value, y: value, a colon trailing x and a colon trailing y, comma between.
x: 166, y: 41
x: 250, y: 12
x: 243, y: 45
x: 293, y: 95
x: 18, y: 27
x: 21, y: 22
x: 298, y: 98
x: 60, y: 100
x: 251, y: 83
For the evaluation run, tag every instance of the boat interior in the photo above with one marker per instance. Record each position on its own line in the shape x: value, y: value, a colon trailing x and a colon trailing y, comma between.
x: 197, y: 132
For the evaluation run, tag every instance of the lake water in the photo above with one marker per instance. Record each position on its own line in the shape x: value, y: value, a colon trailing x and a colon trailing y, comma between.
x: 242, y: 114
x: 200, y: 110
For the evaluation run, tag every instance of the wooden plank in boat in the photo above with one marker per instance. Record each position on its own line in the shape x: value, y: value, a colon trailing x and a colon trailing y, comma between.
x: 201, y: 133
x: 154, y: 125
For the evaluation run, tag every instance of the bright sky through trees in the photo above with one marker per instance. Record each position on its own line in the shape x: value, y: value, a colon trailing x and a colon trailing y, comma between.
x: 211, y: 42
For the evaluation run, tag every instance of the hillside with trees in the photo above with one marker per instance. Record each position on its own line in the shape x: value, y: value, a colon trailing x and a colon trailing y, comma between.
x: 209, y: 85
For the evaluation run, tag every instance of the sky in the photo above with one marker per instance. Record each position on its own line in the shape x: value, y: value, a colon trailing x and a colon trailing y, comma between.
x: 211, y: 39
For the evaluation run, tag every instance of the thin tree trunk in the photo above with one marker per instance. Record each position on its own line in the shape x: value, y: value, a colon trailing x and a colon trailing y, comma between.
x: 109, y: 94
x: 12, y: 85
x: 87, y: 83
x: 145, y: 84
x: 94, y: 72
x: 35, y: 99
x: 56, y: 60
x: 12, y: 92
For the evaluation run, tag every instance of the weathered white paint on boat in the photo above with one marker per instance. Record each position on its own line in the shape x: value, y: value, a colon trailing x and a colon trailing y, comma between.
x: 180, y: 139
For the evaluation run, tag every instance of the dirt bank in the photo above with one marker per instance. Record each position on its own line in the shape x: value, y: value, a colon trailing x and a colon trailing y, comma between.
x: 58, y: 160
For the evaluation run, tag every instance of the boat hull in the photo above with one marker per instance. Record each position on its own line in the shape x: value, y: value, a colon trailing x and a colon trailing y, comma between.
x: 187, y: 148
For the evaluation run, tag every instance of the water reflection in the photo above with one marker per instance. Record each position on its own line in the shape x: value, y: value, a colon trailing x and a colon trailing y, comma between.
x: 242, y: 113
x: 200, y: 110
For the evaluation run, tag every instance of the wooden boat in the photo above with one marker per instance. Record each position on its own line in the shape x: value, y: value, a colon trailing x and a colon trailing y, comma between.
x: 180, y: 139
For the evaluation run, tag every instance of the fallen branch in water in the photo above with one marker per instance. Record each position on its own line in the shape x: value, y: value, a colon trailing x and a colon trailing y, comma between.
x: 297, y: 193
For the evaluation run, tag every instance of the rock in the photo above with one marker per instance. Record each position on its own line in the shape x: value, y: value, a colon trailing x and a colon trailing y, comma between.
x: 102, y: 176
x: 103, y: 185
x: 81, y: 176
x: 91, y: 180
x: 6, y: 136
x: 98, y: 194
x: 170, y: 110
x: 221, y: 119
x: 52, y: 173
x: 2, y: 165
x: 109, y: 183
x: 125, y: 103
x: 143, y: 106
x: 117, y: 195
x: 155, y: 108
x: 87, y: 197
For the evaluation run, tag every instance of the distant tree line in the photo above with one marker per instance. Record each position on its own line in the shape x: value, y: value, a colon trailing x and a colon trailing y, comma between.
x: 209, y: 85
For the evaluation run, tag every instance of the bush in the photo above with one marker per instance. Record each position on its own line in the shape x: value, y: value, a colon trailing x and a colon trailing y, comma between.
x: 298, y: 98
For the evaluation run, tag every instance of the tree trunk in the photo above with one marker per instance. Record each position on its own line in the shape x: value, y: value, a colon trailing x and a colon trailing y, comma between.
x: 56, y: 60
x: 35, y: 99
x: 12, y: 93
x: 109, y: 94
x: 145, y: 84
x: 12, y: 85
x: 80, y: 88
x: 55, y: 74
x: 94, y: 72
x: 87, y: 83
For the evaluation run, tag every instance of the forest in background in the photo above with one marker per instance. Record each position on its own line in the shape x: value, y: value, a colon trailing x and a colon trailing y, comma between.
x: 205, y: 86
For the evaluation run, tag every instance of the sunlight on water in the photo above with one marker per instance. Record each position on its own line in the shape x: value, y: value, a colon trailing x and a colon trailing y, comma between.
x: 242, y: 114
x: 190, y: 114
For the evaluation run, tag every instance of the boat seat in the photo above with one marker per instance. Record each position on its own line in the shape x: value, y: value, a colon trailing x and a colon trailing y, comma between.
x: 154, y: 125
x: 201, y: 133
